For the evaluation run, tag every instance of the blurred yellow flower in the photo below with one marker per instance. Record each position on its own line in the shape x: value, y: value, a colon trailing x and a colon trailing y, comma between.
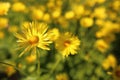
x: 116, y: 5
x: 18, y: 7
x: 10, y: 70
x: 3, y: 22
x: 62, y: 77
x: 109, y: 62
x: 78, y: 10
x: 67, y: 44
x: 101, y: 33
x: 112, y: 15
x: 90, y: 3
x: 35, y: 36
x: 31, y: 58
x: 100, y: 13
x: 54, y: 34
x: 106, y: 64
x: 63, y: 22
x: 100, y: 1
x: 99, y: 22
x: 111, y: 27
x: 4, y: 7
x: 107, y: 29
x: 112, y: 60
x: 46, y: 17
x: 101, y: 45
x: 56, y: 14
x: 86, y: 22
x: 37, y: 14
x: 2, y: 34
x: 69, y: 15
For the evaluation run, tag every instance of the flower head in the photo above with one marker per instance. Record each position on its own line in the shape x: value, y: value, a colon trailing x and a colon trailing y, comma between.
x: 4, y: 7
x: 109, y: 62
x: 62, y: 77
x: 32, y: 37
x: 86, y: 22
x: 101, y: 45
x: 67, y: 44
x: 18, y: 7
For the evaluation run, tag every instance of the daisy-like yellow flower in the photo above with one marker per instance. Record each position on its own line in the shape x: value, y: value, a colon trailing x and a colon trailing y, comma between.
x: 67, y: 44
x: 33, y: 37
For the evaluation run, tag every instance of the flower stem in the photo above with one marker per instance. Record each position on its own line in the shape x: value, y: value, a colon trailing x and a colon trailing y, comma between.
x: 38, y: 64
x: 55, y: 65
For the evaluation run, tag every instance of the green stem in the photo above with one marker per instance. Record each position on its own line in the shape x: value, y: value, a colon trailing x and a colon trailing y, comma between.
x: 38, y: 64
x: 55, y: 65
x: 77, y: 27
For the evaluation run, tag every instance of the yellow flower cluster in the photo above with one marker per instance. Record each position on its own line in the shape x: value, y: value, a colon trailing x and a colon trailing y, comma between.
x: 75, y: 26
x: 109, y: 62
x: 34, y: 36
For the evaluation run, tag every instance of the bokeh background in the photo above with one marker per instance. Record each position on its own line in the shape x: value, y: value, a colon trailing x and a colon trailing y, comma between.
x: 95, y: 22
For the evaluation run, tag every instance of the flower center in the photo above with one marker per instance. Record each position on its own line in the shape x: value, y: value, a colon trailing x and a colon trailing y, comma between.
x: 33, y: 40
x: 117, y: 73
x: 67, y: 43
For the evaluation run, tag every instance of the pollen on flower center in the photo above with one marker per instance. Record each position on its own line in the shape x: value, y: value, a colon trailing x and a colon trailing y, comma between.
x: 66, y: 43
x: 117, y: 73
x: 34, y: 40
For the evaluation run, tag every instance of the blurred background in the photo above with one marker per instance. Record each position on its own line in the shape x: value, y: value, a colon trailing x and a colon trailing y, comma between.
x: 95, y: 22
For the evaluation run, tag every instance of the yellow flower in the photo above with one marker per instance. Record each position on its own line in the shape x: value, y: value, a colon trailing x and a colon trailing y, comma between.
x: 107, y: 29
x: 18, y: 7
x: 37, y: 14
x: 100, y: 1
x: 46, y: 17
x: 10, y: 70
x: 31, y: 58
x: 63, y: 22
x: 62, y: 77
x: 69, y: 15
x: 78, y: 10
x: 2, y: 34
x: 4, y: 7
x: 86, y: 22
x: 106, y: 64
x: 99, y: 22
x: 116, y: 73
x: 116, y: 5
x: 67, y: 44
x: 110, y: 61
x: 90, y: 3
x: 56, y: 13
x: 101, y: 45
x: 3, y: 22
x: 32, y: 37
x: 54, y: 34
x: 100, y: 12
